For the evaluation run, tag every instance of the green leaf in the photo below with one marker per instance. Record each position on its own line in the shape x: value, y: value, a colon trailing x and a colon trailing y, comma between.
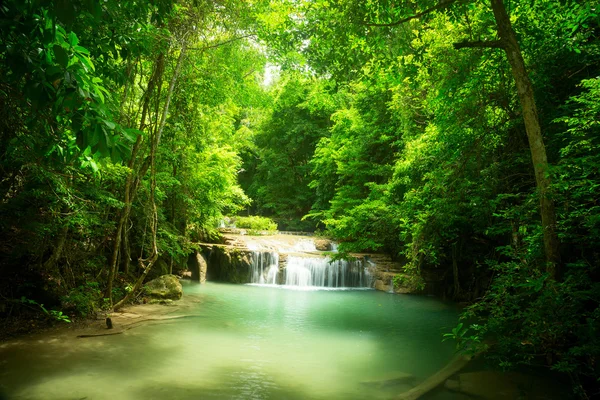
x: 131, y: 134
x: 109, y: 124
x: 93, y: 165
x: 61, y: 56
x: 73, y: 40
x: 96, y: 135
x: 54, y: 72
x: 81, y: 50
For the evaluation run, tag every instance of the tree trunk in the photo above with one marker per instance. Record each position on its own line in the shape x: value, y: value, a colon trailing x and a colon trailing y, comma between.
x: 125, y: 250
x: 534, y: 135
x: 147, y: 264
x: 58, y: 250
x: 455, y: 271
x: 133, y: 178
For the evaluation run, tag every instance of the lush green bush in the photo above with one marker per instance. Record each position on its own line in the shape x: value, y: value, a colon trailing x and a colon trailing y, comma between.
x: 255, y: 222
x: 83, y: 299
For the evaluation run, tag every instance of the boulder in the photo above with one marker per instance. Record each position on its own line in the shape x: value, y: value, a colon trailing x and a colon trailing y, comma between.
x: 186, y: 275
x: 323, y: 244
x: 381, y: 285
x: 198, y: 266
x: 227, y: 264
x: 164, y: 287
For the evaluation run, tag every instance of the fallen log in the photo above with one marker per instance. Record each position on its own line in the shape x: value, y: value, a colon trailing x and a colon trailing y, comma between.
x: 100, y: 334
x: 391, y: 379
x: 435, y: 380
x: 135, y: 324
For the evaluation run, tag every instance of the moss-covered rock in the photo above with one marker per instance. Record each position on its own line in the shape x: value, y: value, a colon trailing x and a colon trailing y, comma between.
x: 323, y: 244
x: 164, y: 287
x: 227, y: 264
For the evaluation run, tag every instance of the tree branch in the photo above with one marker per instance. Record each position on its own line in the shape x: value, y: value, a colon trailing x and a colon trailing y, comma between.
x: 212, y: 46
x: 441, y: 5
x: 490, y: 44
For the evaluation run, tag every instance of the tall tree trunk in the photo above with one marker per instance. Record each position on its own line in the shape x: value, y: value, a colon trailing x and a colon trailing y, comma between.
x: 133, y: 177
x: 455, y: 270
x: 125, y: 250
x: 58, y: 249
x: 534, y: 135
x: 147, y: 264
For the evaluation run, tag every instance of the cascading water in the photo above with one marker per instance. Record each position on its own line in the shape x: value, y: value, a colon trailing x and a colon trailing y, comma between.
x: 302, y: 265
x: 309, y: 272
x: 264, y: 267
x: 322, y: 272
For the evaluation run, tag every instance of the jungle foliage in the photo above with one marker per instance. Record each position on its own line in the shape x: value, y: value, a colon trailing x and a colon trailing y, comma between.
x: 121, y: 124
x: 461, y: 137
x: 427, y: 150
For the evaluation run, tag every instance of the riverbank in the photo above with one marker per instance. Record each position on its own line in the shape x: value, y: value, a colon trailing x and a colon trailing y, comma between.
x: 128, y: 317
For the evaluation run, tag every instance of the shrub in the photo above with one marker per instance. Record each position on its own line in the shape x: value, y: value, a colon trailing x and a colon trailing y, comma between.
x: 256, y: 222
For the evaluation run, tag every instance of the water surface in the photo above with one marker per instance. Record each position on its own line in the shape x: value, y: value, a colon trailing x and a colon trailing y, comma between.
x: 247, y: 342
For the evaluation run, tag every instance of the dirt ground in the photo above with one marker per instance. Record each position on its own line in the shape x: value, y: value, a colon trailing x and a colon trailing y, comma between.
x: 129, y: 317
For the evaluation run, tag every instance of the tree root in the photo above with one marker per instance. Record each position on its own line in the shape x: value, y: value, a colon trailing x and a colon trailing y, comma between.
x: 136, y: 324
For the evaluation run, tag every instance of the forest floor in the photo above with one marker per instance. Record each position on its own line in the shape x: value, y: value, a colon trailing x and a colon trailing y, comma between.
x: 37, y: 326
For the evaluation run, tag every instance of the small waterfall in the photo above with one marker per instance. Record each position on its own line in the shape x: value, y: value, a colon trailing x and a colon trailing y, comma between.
x: 301, y: 265
x: 264, y: 267
x: 322, y: 272
x: 272, y: 274
x: 305, y: 245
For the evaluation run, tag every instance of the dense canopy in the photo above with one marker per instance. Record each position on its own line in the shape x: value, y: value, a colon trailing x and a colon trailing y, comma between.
x: 460, y: 137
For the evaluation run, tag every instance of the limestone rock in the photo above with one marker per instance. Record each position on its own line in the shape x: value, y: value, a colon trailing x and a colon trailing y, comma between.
x: 323, y: 244
x: 198, y: 266
x: 227, y: 264
x: 186, y: 275
x: 381, y: 285
x: 164, y: 287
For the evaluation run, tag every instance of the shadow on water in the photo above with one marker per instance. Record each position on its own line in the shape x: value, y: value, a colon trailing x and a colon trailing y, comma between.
x: 245, y: 383
x: 225, y: 383
x: 31, y: 364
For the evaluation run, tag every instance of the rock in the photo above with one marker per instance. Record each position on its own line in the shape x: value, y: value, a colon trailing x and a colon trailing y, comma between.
x: 203, y: 267
x: 160, y: 301
x: 227, y: 264
x: 164, y: 287
x: 323, y: 244
x: 186, y: 275
x: 198, y: 266
x: 381, y: 285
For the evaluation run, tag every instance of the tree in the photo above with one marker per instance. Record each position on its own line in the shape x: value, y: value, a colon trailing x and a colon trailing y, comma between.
x: 508, y: 42
x: 278, y: 168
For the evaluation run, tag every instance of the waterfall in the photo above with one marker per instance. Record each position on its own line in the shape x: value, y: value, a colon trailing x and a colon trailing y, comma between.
x: 295, y: 261
x: 305, y: 245
x: 264, y: 267
x: 308, y: 271
x: 322, y: 272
